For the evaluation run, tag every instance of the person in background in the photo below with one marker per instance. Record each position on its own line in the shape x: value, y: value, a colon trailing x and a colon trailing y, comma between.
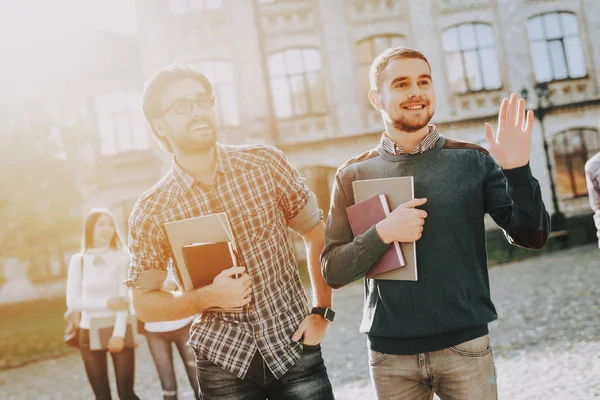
x: 592, y: 177
x: 161, y: 337
x: 94, y: 288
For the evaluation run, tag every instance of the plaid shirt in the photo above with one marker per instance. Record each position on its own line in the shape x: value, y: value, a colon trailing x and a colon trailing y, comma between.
x: 592, y: 176
x: 261, y: 193
x: 427, y: 143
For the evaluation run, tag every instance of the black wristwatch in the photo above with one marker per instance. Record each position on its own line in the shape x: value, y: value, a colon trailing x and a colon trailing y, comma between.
x: 324, y: 312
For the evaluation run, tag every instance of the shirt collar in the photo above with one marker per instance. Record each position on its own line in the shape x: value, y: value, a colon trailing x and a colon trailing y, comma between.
x: 186, y: 181
x: 427, y: 143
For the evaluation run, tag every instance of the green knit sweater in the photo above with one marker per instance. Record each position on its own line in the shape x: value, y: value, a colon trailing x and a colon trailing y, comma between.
x: 450, y: 303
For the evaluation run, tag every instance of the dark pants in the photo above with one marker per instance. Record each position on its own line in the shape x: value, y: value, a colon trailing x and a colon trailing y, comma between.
x: 160, y: 344
x: 307, y: 380
x: 97, y: 370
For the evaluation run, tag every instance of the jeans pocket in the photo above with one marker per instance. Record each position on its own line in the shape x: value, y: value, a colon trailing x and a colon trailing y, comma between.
x: 311, y: 347
x: 376, y: 358
x: 477, y: 347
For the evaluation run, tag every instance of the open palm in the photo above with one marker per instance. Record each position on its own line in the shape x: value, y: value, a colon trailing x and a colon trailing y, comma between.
x: 511, y: 146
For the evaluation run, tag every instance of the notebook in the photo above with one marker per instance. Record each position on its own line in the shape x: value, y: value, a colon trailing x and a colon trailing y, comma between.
x: 101, y: 329
x: 204, y: 261
x: 397, y: 190
x: 364, y: 215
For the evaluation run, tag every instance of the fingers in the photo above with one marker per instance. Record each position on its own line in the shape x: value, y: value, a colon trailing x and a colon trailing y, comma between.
x: 503, y: 114
x: 413, y: 203
x: 521, y: 114
x: 489, y: 134
x: 233, y: 271
x: 529, y: 126
x: 513, y: 108
x: 298, y: 334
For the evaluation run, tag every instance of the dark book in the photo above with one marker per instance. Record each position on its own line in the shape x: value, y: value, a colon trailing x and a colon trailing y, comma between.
x: 397, y: 191
x: 367, y: 213
x: 204, y: 261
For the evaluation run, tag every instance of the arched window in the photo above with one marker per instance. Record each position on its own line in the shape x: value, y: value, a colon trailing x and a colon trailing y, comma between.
x: 366, y: 51
x: 296, y: 83
x: 556, y: 48
x: 572, y: 148
x: 121, y: 124
x: 220, y: 74
x: 471, y: 60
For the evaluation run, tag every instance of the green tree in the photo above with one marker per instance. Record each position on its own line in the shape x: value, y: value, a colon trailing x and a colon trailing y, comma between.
x: 40, y: 196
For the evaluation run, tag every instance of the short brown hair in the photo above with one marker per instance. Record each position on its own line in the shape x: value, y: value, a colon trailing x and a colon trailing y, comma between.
x: 382, y: 60
x: 155, y: 86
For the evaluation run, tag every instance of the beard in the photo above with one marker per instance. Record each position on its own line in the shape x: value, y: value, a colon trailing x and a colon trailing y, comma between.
x: 412, y: 124
x: 189, y: 142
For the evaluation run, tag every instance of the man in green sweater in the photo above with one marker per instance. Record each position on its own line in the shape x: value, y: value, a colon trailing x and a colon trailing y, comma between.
x: 432, y: 335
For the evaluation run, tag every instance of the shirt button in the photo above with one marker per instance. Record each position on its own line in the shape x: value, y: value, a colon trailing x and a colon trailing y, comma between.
x: 257, y: 336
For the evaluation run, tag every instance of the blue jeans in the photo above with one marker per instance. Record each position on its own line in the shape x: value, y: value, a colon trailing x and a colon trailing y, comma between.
x: 307, y: 380
x: 161, y: 348
x: 97, y: 370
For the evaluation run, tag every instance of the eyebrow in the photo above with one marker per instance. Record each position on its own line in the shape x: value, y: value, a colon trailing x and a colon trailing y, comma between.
x: 406, y: 78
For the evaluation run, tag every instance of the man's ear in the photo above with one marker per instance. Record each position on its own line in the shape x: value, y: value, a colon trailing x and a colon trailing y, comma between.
x: 375, y: 99
x: 159, y: 127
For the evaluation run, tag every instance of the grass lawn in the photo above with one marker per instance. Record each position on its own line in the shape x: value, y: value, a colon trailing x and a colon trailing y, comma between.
x: 31, y: 330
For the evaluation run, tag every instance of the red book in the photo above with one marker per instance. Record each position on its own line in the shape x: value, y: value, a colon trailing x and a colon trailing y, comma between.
x: 362, y: 216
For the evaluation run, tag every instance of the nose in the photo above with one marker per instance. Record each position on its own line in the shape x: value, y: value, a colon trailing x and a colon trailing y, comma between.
x: 413, y: 91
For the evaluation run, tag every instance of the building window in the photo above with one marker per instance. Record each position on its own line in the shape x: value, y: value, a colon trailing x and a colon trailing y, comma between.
x: 556, y: 47
x: 221, y: 76
x: 366, y: 51
x: 471, y: 60
x: 572, y: 149
x: 184, y: 6
x: 121, y: 124
x: 296, y: 83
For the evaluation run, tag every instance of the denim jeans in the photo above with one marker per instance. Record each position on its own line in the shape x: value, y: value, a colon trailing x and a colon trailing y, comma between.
x: 307, y: 380
x: 161, y: 348
x: 96, y: 369
x: 462, y: 372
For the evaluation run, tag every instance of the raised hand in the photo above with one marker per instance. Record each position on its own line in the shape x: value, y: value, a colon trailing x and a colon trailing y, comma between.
x: 512, y: 145
x: 227, y: 291
x: 404, y: 224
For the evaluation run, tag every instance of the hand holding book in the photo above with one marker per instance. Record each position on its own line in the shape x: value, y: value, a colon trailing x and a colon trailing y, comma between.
x: 229, y: 291
x: 404, y: 224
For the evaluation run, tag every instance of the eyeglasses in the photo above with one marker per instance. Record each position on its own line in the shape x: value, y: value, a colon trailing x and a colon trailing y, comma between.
x: 183, y: 106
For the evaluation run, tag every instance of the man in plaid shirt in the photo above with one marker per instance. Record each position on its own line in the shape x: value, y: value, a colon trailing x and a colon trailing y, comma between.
x: 592, y: 177
x: 271, y: 349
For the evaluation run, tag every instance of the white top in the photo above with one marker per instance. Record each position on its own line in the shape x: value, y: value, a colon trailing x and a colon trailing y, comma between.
x: 103, y: 271
x: 168, y: 326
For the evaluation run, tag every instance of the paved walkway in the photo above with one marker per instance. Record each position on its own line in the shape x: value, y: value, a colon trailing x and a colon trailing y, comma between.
x: 546, y: 342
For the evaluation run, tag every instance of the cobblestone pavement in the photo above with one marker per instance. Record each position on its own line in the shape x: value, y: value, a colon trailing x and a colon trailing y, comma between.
x: 546, y: 341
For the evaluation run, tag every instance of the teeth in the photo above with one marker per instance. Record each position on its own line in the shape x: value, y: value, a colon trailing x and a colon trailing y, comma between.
x: 200, y: 126
x: 418, y: 107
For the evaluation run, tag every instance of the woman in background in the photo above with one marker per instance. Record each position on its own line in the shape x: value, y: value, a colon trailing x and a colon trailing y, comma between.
x: 94, y: 288
x: 161, y: 337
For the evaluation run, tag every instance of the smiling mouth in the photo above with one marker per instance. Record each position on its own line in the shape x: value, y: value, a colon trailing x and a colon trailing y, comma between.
x: 199, y: 126
x: 414, y: 107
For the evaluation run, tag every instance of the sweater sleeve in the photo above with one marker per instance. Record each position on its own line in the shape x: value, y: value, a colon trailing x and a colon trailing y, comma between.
x: 344, y: 258
x: 513, y: 199
x: 75, y: 300
x: 121, y: 316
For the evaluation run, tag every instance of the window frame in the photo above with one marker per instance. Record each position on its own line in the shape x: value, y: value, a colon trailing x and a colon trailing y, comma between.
x: 477, y: 49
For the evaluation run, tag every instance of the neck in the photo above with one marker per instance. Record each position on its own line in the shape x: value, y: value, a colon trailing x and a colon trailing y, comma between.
x: 201, y: 166
x: 407, y: 140
x: 99, y: 247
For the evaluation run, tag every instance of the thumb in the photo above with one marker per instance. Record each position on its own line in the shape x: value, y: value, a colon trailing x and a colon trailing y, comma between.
x: 299, y: 332
x: 413, y: 203
x: 489, y: 134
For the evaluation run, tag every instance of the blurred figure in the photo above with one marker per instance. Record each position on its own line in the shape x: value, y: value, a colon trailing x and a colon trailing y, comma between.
x: 161, y: 337
x: 94, y: 288
x: 592, y: 177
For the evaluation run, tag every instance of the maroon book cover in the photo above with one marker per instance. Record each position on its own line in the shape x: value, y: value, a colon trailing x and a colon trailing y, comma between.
x: 362, y: 216
x: 204, y: 261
